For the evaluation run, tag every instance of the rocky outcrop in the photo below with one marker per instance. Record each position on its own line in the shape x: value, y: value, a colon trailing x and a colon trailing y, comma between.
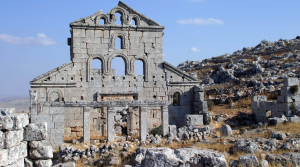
x: 163, y: 156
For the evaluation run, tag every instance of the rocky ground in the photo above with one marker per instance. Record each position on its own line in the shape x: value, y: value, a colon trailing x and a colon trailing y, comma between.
x: 251, y: 70
x: 211, y: 145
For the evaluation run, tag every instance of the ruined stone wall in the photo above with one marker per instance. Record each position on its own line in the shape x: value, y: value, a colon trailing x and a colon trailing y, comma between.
x: 288, y: 103
x: 20, y: 141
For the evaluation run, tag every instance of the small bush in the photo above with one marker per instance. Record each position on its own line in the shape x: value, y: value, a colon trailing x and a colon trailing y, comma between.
x: 156, y: 130
x: 207, y: 122
x: 210, y: 104
x: 288, y: 44
x: 294, y: 89
x: 294, y: 108
x: 219, y: 57
x: 263, y: 41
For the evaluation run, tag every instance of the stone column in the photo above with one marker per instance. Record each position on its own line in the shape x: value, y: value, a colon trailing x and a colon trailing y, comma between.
x: 143, y: 123
x: 165, y: 120
x: 86, y: 124
x: 110, y: 124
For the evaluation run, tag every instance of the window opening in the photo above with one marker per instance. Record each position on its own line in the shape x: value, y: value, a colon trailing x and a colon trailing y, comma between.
x: 139, y: 67
x: 118, y: 43
x: 102, y: 21
x: 118, y: 66
x: 176, y: 99
x: 118, y: 19
x: 133, y: 22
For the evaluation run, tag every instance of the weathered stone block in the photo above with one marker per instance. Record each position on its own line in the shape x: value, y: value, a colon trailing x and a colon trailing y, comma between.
x: 13, y: 138
x: 18, y: 163
x: 194, y: 120
x: 35, y: 144
x: 43, y: 163
x: 44, y: 152
x: 78, y: 33
x: 6, y: 123
x: 35, y: 132
x: 3, y: 157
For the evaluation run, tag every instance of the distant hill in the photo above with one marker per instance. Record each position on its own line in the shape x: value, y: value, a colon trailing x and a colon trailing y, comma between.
x: 19, y: 104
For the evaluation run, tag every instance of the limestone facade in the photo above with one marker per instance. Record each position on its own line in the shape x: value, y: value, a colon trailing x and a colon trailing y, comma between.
x: 78, y: 101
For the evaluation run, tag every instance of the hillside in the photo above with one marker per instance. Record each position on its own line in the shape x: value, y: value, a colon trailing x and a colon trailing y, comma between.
x: 251, y: 70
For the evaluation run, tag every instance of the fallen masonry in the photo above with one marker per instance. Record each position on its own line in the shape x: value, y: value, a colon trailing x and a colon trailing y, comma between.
x: 20, y: 141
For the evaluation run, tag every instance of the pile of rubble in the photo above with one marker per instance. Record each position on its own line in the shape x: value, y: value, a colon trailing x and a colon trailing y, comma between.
x: 18, y: 138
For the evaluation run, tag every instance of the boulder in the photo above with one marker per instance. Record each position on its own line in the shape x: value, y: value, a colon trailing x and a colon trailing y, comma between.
x: 226, y: 130
x: 248, y: 160
x: 163, y: 156
x: 35, y: 132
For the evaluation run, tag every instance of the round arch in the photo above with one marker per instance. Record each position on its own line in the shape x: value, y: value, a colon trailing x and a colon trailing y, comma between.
x: 51, y: 92
x: 112, y: 43
x: 175, y: 90
x: 122, y: 12
x: 145, y: 65
x: 89, y: 65
x: 136, y: 19
x: 123, y: 56
x: 104, y: 17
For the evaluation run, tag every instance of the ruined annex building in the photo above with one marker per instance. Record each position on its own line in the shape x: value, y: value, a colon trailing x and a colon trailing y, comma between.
x: 78, y: 101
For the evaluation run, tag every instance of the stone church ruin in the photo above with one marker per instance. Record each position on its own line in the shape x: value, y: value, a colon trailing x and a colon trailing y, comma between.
x: 78, y: 101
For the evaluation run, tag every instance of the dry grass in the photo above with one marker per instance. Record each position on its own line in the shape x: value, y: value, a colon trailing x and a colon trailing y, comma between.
x: 223, y: 109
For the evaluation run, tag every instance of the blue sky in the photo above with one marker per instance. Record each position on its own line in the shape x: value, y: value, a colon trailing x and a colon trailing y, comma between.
x: 33, y: 34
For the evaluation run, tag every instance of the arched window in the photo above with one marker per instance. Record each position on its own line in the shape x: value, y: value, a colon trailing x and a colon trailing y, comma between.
x: 96, y: 67
x: 139, y: 67
x: 119, y: 43
x: 118, y: 18
x: 118, y: 66
x: 133, y: 21
x: 176, y: 99
x: 102, y: 21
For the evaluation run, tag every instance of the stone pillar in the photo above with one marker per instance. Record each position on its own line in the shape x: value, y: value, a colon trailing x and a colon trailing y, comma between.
x: 143, y: 123
x: 110, y: 124
x: 165, y: 120
x: 86, y: 124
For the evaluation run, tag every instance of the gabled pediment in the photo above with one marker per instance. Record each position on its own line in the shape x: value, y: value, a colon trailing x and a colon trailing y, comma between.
x: 128, y: 14
x: 179, y: 72
x: 45, y: 76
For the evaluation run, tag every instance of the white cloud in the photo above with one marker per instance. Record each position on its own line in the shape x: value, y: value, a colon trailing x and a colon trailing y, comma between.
x: 201, y: 21
x: 193, y: 49
x: 41, y: 39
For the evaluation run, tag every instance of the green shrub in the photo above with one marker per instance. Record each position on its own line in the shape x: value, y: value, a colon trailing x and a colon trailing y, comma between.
x: 219, y: 57
x: 294, y: 89
x: 156, y: 130
x: 207, y: 122
x: 288, y: 44
x: 210, y: 104
x: 294, y: 108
